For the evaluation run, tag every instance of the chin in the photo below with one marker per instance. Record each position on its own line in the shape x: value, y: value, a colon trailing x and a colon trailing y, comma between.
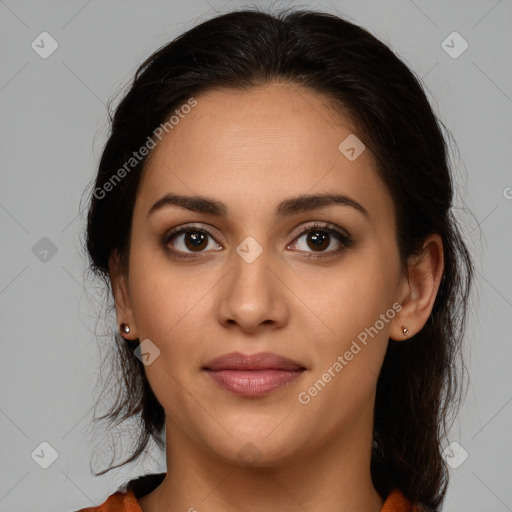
x: 260, y: 451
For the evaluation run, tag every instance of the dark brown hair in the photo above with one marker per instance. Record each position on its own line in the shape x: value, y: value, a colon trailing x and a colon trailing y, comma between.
x: 419, y: 384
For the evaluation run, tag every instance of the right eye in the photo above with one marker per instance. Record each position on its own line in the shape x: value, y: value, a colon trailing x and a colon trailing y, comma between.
x: 184, y: 241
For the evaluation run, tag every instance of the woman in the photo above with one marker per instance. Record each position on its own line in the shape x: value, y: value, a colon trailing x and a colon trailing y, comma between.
x: 272, y: 212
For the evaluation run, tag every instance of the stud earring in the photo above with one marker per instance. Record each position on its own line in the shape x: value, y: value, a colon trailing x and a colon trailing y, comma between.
x: 405, y: 331
x: 125, y: 328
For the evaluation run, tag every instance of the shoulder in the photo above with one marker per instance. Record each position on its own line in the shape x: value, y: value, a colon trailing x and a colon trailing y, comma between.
x: 117, y: 502
x: 397, y: 502
x: 126, y: 497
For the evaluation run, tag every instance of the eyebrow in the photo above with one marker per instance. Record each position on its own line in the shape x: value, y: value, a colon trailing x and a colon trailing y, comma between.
x: 285, y: 208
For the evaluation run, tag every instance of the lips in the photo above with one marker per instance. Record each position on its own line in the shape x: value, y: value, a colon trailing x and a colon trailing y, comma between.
x: 253, y: 375
x: 259, y: 361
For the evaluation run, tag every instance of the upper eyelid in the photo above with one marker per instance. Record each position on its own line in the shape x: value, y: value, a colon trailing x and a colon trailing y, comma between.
x: 328, y: 226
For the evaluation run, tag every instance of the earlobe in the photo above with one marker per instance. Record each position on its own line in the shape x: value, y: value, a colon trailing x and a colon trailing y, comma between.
x: 419, y: 289
x: 120, y: 290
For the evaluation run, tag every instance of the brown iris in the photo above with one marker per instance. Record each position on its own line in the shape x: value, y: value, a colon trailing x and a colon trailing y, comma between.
x: 197, y: 239
x: 319, y: 238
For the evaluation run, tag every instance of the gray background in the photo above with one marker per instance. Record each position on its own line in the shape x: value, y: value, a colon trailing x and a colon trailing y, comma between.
x: 52, y: 126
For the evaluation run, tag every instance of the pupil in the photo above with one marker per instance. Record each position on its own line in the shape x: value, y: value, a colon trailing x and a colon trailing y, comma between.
x: 319, y: 239
x: 197, y: 239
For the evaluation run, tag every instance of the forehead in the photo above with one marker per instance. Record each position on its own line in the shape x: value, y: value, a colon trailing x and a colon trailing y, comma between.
x: 282, y: 119
x: 266, y: 142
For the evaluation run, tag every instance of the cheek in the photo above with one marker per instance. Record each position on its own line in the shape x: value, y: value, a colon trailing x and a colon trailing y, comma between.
x: 171, y: 307
x: 354, y: 303
x: 160, y: 296
x: 350, y: 297
x: 355, y: 308
x: 166, y: 312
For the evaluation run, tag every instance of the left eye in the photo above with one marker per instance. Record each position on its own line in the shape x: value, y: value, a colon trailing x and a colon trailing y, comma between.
x: 320, y: 237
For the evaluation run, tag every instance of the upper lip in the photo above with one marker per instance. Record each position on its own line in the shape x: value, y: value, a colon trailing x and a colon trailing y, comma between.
x: 259, y: 361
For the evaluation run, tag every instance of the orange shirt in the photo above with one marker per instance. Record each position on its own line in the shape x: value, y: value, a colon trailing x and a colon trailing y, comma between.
x: 127, y: 502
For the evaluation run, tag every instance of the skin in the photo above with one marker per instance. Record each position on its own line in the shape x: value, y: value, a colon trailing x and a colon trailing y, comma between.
x: 251, y: 150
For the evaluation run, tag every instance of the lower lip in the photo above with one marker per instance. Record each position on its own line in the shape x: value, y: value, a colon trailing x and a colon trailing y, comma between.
x: 252, y: 383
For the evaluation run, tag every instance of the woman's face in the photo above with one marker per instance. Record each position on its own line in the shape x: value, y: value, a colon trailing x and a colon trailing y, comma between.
x: 265, y: 275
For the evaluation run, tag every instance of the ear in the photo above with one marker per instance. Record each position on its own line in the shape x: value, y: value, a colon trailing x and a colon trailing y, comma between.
x: 120, y: 290
x: 418, y: 289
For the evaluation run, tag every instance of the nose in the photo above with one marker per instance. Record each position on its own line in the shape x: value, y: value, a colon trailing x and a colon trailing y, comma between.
x: 253, y: 296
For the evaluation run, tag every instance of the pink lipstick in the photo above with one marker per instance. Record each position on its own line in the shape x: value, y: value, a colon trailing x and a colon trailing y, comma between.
x: 253, y: 375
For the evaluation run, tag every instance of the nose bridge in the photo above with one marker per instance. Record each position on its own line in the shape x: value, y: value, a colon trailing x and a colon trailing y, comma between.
x: 252, y: 296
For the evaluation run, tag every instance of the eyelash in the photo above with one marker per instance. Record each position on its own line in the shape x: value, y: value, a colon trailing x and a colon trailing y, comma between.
x: 331, y: 229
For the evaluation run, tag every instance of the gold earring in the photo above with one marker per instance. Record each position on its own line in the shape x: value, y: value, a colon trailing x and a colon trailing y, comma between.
x: 125, y: 328
x: 405, y: 331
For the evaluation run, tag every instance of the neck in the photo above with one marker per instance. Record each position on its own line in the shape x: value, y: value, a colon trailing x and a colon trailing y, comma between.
x: 329, y: 477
